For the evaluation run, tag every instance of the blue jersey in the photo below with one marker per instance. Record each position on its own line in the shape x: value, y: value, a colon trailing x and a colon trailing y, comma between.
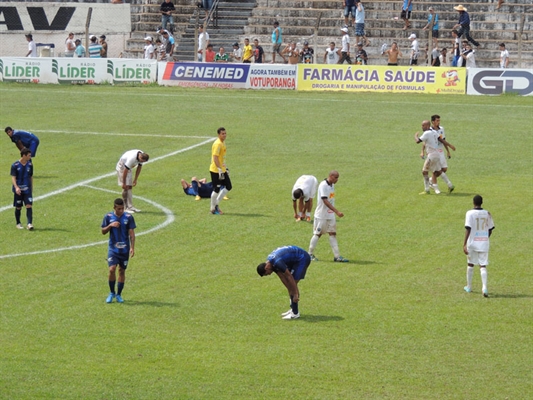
x: 22, y: 174
x: 119, y: 238
x: 26, y: 138
x: 406, y: 7
x: 292, y: 258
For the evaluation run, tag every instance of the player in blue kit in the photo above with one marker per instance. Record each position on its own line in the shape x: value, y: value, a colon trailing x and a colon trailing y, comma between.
x: 23, y: 139
x: 120, y: 226
x: 290, y: 264
x: 22, y: 180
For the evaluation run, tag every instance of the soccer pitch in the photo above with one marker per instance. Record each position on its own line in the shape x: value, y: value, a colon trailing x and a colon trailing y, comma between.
x: 198, y: 322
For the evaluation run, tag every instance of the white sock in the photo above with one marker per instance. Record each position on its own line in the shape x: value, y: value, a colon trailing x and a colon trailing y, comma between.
x: 445, y: 179
x: 130, y: 198
x: 334, y: 245
x: 426, y: 182
x: 469, y: 275
x: 313, y: 243
x: 484, y: 277
x: 308, y: 214
x: 213, y: 200
x: 221, y: 194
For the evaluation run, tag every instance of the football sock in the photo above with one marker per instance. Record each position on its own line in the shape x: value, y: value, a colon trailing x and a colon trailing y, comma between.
x: 17, y: 215
x: 308, y: 214
x: 469, y: 275
x: 426, y: 182
x: 112, y: 286
x: 29, y: 215
x: 130, y: 199
x: 120, y: 286
x: 484, y: 275
x: 334, y: 245
x: 213, y: 200
x: 445, y: 179
x: 312, y: 245
x: 221, y: 194
x: 294, y: 307
x: 125, y: 197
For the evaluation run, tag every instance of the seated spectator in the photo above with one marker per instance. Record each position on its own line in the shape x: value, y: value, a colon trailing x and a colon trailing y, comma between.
x: 221, y: 56
x: 209, y: 53
x: 237, y: 53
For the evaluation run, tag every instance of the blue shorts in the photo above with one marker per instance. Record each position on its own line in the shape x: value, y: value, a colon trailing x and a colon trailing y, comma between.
x: 118, y: 259
x: 24, y: 198
x: 33, y: 147
x: 348, y: 10
x: 359, y: 29
x: 299, y: 270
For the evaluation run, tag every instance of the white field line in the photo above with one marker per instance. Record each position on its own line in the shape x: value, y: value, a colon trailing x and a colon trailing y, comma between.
x: 119, y: 134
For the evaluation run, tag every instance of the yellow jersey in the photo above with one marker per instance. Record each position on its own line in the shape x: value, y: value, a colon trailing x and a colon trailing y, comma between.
x: 247, y: 53
x: 218, y: 150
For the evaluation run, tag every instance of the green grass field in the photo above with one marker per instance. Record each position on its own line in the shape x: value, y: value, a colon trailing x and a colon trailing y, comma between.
x: 198, y: 322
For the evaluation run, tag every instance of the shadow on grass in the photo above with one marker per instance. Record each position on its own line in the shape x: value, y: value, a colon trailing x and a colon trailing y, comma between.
x: 247, y: 215
x: 363, y: 262
x: 45, y: 176
x: 51, y: 230
x: 149, y: 303
x: 510, y: 296
x: 161, y: 213
x: 320, y: 318
x: 458, y: 194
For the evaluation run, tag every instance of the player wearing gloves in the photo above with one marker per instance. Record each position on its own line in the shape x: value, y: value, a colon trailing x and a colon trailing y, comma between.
x: 219, y: 172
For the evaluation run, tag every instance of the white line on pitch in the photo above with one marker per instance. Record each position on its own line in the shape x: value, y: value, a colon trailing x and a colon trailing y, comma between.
x: 119, y: 134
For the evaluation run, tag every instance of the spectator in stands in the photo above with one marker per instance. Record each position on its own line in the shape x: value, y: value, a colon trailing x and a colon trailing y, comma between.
x: 70, y: 45
x: 149, y: 49
x: 442, y: 57
x: 209, y: 53
x: 361, y: 57
x: 469, y: 58
x: 248, y: 53
x: 167, y: 8
x: 456, y: 48
x: 277, y: 41
x: 345, y: 49
x: 349, y: 8
x: 504, y: 56
x: 203, y: 42
x: 461, y: 61
x: 160, y: 50
x: 221, y: 56
x: 207, y: 6
x: 259, y: 53
x: 168, y: 43
x: 32, y: 47
x: 331, y: 56
x: 237, y: 53
x: 292, y: 52
x: 307, y: 54
x: 360, y: 24
x: 95, y: 48
x: 406, y: 13
x: 415, y: 50
x: 435, y: 57
x: 80, y: 50
x: 433, y: 20
x: 463, y: 26
x: 393, y: 54
x: 104, y: 46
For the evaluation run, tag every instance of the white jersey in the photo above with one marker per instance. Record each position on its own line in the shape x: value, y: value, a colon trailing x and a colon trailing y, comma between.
x: 33, y: 48
x: 237, y: 54
x: 128, y: 160
x: 480, y: 222
x: 203, y: 38
x: 345, y: 44
x: 149, y: 51
x: 470, y: 60
x: 414, y: 50
x: 504, y: 55
x: 332, y: 56
x: 325, y: 191
x: 308, y: 184
x: 431, y: 140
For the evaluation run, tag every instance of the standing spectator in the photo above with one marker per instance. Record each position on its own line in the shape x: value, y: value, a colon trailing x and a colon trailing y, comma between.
x: 219, y: 171
x: 393, y: 54
x: 168, y: 44
x: 290, y: 263
x: 207, y: 6
x: 80, y: 49
x: 456, y: 48
x: 478, y: 229
x: 203, y: 42
x: 23, y: 139
x: 349, y: 8
x: 160, y: 50
x: 442, y: 58
x: 103, y: 43
x: 433, y: 20
x: 504, y: 56
x: 435, y: 57
x: 304, y: 191
x: 469, y: 58
x: 331, y: 56
x: 237, y: 53
x: 277, y: 40
x: 360, y: 24
x: 121, y: 228
x: 415, y: 50
x: 345, y: 50
x: 127, y: 162
x: 325, y: 217
x: 32, y: 47
x: 70, y: 45
x: 95, y: 48
x: 22, y: 186
x: 307, y: 54
x: 248, y: 53
x: 149, y: 49
x: 406, y: 13
x: 221, y: 56
x: 292, y: 53
x: 209, y: 53
x: 259, y: 53
x: 463, y: 26
x: 167, y: 8
x: 361, y: 58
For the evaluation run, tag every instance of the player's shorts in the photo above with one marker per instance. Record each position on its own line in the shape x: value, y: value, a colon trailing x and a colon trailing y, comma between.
x: 405, y: 14
x: 190, y: 191
x: 442, y: 160
x: 321, y: 225
x: 129, y: 178
x: 218, y: 183
x: 24, y: 198
x: 118, y: 259
x: 477, y: 257
x: 348, y: 10
x: 276, y: 47
x: 359, y: 29
x: 33, y: 147
x: 431, y: 164
x: 299, y: 271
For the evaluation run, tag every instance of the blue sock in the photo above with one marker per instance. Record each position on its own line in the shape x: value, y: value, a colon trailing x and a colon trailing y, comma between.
x: 294, y: 307
x: 29, y: 215
x: 120, y: 286
x: 17, y: 215
x: 112, y: 286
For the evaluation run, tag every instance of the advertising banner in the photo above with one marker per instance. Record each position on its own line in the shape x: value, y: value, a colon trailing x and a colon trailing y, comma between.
x: 389, y: 79
x: 27, y: 70
x: 124, y: 70
x: 497, y: 81
x: 227, y: 75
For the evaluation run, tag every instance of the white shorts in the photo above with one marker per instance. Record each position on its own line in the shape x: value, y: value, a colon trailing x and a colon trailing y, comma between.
x: 442, y: 160
x: 129, y: 179
x: 431, y: 164
x: 321, y: 225
x: 477, y: 257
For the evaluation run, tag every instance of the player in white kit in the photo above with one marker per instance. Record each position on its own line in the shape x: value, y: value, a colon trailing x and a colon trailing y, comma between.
x: 304, y: 190
x: 126, y: 163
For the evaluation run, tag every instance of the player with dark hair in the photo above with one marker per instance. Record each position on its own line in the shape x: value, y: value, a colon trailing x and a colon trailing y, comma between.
x: 120, y: 225
x: 126, y: 163
x: 290, y: 263
x: 219, y: 171
x: 23, y: 139
x: 303, y: 193
x: 479, y: 227
x: 22, y: 180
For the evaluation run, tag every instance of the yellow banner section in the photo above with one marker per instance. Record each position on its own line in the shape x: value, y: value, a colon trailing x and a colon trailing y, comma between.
x: 391, y: 79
